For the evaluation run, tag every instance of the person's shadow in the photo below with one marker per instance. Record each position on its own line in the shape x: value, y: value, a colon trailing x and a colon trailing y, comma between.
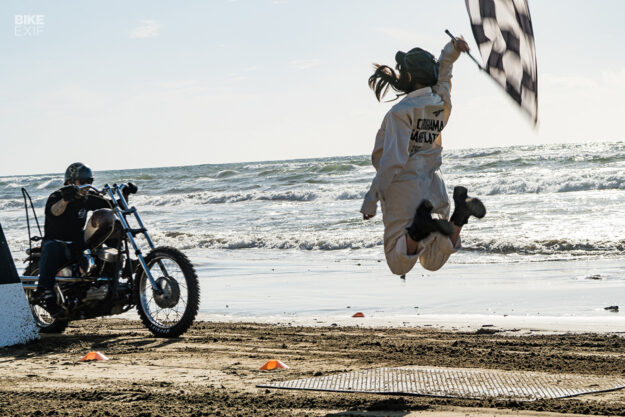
x: 391, y: 407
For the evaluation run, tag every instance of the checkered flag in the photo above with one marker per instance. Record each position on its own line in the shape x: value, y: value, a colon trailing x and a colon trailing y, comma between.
x: 503, y: 32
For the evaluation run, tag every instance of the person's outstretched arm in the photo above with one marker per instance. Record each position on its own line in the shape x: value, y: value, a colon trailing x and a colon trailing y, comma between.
x: 449, y: 55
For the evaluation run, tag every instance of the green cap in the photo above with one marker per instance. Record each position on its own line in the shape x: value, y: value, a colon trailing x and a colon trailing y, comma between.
x: 420, y: 64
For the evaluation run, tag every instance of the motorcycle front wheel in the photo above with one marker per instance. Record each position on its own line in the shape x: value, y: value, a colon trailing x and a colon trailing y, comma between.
x: 45, y: 322
x: 170, y: 312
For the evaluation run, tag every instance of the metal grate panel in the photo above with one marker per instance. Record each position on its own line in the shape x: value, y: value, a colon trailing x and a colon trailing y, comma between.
x: 457, y: 383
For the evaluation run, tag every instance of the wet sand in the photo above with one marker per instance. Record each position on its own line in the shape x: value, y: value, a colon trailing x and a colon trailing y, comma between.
x: 213, y: 370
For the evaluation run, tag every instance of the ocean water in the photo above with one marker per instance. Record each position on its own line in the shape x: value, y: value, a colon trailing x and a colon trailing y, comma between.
x: 285, y: 225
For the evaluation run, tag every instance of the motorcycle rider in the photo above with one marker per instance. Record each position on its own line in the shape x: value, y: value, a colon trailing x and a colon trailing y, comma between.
x: 65, y: 217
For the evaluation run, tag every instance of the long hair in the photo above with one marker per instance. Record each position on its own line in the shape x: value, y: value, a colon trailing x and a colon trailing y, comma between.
x: 385, y: 77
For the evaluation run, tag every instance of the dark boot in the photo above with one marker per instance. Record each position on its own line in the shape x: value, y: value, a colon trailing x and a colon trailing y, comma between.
x: 36, y: 297
x: 465, y: 207
x: 51, y: 305
x: 423, y: 223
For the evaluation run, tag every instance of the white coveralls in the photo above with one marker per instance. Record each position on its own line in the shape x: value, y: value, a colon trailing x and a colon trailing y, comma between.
x: 407, y: 158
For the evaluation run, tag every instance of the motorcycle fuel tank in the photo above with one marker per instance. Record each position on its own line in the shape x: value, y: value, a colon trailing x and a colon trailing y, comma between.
x: 99, y: 227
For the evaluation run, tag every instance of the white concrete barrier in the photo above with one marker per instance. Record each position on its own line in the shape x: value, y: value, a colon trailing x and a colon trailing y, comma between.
x: 16, y: 320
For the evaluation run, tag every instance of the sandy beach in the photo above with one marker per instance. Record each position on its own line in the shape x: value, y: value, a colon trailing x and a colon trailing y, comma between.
x: 213, y: 370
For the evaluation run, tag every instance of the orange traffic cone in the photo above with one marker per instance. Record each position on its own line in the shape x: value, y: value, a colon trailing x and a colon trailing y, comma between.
x: 359, y: 314
x: 273, y: 364
x: 93, y: 356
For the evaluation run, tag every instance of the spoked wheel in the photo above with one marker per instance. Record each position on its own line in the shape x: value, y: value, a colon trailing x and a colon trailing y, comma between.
x: 170, y: 312
x: 45, y: 322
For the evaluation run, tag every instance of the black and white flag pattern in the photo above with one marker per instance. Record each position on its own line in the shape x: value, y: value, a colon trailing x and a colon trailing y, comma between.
x: 504, y: 34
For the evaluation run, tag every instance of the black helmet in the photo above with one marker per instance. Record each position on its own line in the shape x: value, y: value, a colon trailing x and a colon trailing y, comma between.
x: 420, y: 64
x: 78, y: 171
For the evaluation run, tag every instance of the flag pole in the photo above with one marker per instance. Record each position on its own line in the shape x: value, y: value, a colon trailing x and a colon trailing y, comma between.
x: 468, y: 53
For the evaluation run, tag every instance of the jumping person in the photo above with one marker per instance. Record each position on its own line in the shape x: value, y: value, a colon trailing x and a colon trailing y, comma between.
x: 65, y: 217
x: 407, y: 157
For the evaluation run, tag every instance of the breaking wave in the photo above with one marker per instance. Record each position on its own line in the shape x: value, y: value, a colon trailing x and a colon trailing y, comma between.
x: 516, y: 185
x: 327, y: 242
x: 226, y: 173
x: 266, y: 241
x: 547, y: 247
x: 11, y: 204
x: 288, y: 196
x: 349, y: 195
x: 211, y: 198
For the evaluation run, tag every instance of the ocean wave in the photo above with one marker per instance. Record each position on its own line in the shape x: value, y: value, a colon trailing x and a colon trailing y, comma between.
x: 553, y: 248
x: 286, y: 196
x: 334, y: 168
x: 231, y: 198
x: 289, y: 196
x: 350, y: 195
x: 269, y: 172
x: 480, y: 154
x: 507, y: 188
x: 547, y: 247
x: 307, y: 170
x: 182, y: 189
x: 143, y: 177
x: 556, y: 184
x: 608, y: 183
x: 14, y: 185
x: 211, y: 198
x: 556, y: 156
x: 226, y: 173
x: 52, y: 183
x: 184, y: 240
x: 173, y: 200
x: 503, y: 164
x: 11, y: 204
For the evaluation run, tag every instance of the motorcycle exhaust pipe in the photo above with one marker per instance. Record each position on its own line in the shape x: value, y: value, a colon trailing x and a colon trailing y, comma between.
x: 61, y: 280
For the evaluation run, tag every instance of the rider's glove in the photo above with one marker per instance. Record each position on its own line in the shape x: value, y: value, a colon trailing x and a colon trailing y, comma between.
x: 131, y: 188
x: 69, y: 192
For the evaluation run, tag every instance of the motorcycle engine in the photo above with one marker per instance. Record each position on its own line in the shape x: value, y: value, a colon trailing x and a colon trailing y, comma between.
x: 107, y: 254
x: 95, y: 293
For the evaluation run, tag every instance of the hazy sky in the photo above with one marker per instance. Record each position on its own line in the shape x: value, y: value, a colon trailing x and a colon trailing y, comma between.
x: 129, y: 84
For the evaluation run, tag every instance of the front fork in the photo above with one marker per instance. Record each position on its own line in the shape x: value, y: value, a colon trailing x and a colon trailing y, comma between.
x: 121, y: 214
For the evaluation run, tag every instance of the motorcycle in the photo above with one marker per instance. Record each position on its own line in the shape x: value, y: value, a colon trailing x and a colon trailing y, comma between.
x: 107, y: 280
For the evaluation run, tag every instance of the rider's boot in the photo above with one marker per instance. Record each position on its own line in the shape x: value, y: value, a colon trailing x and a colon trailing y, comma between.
x: 465, y: 207
x: 51, y: 305
x: 423, y: 223
x: 37, y: 295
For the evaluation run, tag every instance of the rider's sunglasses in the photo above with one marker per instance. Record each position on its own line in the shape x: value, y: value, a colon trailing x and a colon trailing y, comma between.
x: 85, y: 181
